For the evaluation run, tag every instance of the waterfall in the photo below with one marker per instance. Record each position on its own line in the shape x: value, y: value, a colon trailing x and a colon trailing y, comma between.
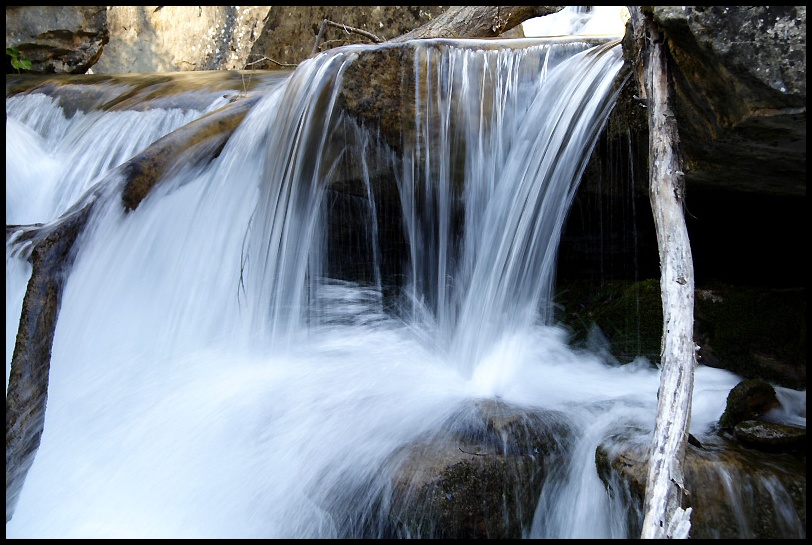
x: 211, y: 378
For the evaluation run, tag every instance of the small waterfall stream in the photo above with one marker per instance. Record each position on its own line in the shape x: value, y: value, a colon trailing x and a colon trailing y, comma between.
x: 211, y: 379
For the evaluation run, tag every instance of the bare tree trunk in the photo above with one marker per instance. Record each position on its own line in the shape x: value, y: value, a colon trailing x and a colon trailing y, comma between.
x: 664, y: 515
x: 476, y: 21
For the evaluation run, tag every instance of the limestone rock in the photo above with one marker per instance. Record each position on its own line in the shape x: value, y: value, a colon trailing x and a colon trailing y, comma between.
x: 180, y: 38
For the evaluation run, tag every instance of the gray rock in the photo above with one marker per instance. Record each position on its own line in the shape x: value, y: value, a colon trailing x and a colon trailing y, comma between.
x: 58, y: 39
x: 770, y: 436
x: 740, y: 81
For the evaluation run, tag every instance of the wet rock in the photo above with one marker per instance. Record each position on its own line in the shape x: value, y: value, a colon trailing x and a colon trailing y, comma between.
x: 479, y: 478
x: 735, y: 493
x: 770, y: 436
x: 747, y: 400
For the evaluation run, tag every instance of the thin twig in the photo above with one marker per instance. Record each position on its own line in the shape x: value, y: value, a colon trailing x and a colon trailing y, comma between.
x: 286, y: 65
x: 349, y: 29
x: 474, y: 453
x: 318, y: 38
x: 346, y: 28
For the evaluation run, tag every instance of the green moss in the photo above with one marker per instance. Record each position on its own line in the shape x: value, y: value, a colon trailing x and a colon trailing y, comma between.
x: 757, y: 333
x: 753, y: 332
x: 748, y: 399
x: 629, y: 314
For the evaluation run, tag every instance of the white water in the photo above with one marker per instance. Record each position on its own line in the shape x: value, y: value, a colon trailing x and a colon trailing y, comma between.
x: 206, y: 382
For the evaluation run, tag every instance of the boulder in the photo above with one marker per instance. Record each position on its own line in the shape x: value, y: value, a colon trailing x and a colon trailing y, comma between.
x: 747, y: 400
x: 480, y: 477
x: 734, y: 492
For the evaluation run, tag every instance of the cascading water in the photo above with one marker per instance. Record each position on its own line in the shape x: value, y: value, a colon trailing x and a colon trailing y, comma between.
x: 210, y: 380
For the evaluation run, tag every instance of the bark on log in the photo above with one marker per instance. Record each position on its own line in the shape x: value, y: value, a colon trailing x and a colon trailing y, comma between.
x: 664, y: 513
x: 476, y: 21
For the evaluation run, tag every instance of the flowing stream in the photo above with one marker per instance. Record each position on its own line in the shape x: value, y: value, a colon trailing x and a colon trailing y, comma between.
x: 211, y: 377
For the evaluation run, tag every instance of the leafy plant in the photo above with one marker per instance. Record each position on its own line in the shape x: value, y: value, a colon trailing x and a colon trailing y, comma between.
x: 18, y: 60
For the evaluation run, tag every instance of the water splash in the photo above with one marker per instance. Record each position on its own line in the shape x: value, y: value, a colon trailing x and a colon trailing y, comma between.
x: 208, y: 380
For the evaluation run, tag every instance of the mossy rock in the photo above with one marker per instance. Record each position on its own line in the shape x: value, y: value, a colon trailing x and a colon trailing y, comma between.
x: 629, y: 314
x: 747, y: 400
x: 754, y: 332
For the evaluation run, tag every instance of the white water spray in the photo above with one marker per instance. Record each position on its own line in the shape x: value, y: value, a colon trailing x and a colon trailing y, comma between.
x: 208, y: 382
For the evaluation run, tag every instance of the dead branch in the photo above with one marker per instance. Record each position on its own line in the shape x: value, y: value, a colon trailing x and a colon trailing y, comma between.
x: 346, y: 28
x: 664, y: 514
x: 476, y: 21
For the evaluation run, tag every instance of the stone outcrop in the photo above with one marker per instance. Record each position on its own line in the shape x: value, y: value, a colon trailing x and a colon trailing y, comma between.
x: 740, y: 80
x: 180, y: 38
x: 58, y: 39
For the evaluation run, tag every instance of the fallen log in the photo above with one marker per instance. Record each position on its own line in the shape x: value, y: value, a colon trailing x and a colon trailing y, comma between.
x: 476, y: 21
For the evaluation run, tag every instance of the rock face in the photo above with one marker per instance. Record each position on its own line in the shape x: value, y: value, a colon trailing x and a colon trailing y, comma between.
x: 179, y: 38
x: 58, y: 39
x: 740, y: 79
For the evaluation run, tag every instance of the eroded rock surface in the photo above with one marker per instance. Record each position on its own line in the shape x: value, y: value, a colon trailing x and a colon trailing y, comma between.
x: 58, y: 39
x: 740, y: 81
